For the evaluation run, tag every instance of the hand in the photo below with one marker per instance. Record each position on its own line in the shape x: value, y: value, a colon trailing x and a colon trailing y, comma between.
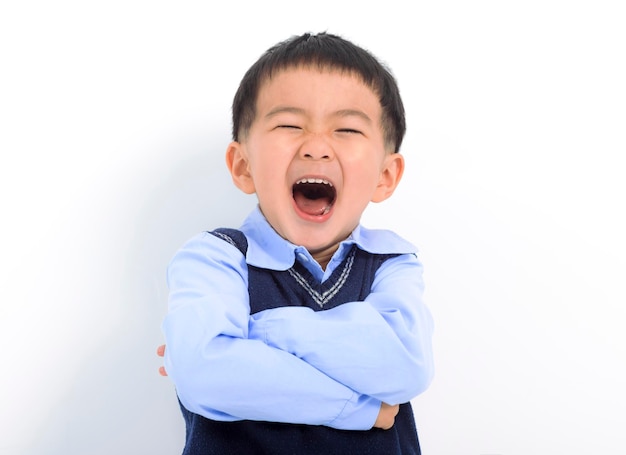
x: 386, y: 416
x: 161, y: 352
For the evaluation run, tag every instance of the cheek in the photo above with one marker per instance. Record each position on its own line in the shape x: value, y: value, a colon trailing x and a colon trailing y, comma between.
x: 271, y: 173
x: 270, y: 153
x: 266, y: 163
x: 360, y: 187
x: 364, y: 170
x: 269, y: 177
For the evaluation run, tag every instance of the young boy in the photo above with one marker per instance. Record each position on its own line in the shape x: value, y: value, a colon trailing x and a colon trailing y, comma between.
x: 304, y: 332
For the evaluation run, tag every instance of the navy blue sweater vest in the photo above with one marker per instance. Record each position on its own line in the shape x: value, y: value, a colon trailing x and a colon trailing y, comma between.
x: 351, y: 281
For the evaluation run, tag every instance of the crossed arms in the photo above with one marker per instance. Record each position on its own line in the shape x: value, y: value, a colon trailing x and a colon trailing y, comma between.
x: 347, y: 367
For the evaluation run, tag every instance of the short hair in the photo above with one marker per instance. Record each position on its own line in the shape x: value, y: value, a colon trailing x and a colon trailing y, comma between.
x: 325, y: 51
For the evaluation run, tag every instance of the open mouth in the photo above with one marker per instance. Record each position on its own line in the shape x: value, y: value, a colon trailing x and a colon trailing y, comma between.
x: 314, y: 196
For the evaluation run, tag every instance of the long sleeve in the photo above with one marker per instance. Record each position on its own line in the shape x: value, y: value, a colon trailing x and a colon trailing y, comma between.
x: 222, y: 374
x: 381, y: 347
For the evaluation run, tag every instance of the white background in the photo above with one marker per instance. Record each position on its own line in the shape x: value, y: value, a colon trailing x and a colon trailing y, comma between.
x: 114, y: 118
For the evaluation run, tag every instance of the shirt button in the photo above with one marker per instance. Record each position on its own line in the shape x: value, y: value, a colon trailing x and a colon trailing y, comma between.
x: 303, y: 257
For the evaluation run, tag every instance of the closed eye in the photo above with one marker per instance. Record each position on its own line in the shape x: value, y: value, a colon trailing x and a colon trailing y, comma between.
x: 349, y: 131
x: 289, y: 126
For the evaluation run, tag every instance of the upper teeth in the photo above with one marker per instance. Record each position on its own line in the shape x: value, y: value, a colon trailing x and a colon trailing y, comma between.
x: 309, y: 180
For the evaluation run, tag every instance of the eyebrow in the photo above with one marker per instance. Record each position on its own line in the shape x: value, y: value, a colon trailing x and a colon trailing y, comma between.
x: 284, y: 109
x: 296, y: 110
x: 353, y: 113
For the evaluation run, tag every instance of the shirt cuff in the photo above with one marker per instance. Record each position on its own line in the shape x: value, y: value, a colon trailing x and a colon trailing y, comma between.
x: 359, y: 413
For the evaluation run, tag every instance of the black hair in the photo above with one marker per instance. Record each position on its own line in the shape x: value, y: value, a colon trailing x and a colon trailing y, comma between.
x: 325, y: 51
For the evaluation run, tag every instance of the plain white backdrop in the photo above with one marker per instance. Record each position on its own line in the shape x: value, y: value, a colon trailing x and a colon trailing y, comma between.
x: 114, y: 119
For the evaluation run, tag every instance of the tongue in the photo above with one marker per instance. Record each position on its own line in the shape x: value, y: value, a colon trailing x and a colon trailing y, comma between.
x: 315, y: 207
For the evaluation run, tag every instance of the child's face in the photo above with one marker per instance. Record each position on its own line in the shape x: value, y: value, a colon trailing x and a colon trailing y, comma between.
x: 315, y: 156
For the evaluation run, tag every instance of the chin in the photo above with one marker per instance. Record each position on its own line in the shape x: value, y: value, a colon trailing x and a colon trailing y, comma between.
x: 316, y: 236
x: 319, y: 244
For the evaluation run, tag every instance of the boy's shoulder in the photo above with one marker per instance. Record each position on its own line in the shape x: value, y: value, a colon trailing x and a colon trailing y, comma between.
x: 233, y: 236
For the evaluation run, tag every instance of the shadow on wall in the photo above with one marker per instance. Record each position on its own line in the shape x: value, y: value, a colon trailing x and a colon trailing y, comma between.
x: 118, y: 403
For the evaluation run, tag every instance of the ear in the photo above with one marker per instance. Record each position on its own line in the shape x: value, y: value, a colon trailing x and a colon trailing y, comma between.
x: 239, y: 167
x: 390, y: 176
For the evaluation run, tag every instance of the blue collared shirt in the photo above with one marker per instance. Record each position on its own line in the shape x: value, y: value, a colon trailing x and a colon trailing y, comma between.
x: 292, y: 364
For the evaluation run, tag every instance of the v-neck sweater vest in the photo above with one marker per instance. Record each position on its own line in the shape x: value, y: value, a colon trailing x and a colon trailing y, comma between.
x: 268, y: 289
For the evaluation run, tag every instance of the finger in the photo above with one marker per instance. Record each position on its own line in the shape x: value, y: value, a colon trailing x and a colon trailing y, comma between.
x: 161, y: 350
x: 162, y: 371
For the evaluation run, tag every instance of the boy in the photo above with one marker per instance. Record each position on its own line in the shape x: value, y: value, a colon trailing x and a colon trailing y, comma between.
x: 303, y: 332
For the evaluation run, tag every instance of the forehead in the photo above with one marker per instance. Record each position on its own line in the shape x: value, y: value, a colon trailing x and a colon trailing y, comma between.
x: 317, y: 88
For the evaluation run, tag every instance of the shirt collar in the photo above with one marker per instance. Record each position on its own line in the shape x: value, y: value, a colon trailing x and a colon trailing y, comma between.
x: 380, y: 241
x: 268, y: 250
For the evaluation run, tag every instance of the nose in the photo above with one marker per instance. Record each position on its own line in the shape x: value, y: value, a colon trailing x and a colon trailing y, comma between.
x: 316, y: 148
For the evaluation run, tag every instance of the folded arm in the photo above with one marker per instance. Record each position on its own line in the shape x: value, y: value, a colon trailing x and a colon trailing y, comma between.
x: 381, y: 347
x: 222, y: 374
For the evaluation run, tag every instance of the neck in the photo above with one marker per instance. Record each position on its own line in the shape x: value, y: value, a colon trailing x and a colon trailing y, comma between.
x: 323, y: 257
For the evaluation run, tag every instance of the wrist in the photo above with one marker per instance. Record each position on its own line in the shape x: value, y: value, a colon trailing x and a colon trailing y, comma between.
x: 359, y: 413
